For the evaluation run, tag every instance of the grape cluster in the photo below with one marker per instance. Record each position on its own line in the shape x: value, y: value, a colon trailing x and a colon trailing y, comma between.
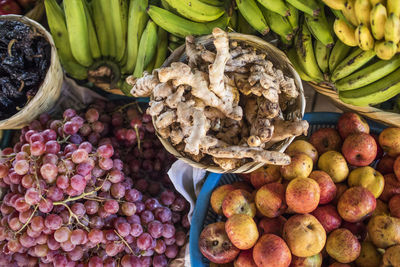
x: 89, y: 190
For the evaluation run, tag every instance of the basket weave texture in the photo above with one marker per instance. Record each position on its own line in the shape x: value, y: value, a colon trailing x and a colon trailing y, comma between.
x: 48, y: 92
x: 280, y: 61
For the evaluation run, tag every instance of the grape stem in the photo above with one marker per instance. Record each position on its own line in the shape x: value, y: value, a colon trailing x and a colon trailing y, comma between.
x: 72, y: 214
x: 124, y: 241
x: 28, y: 221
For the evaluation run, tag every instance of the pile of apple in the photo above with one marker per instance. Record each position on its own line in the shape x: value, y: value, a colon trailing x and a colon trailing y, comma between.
x: 329, y: 207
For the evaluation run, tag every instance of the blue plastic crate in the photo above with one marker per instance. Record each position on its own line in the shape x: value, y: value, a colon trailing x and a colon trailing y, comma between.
x: 204, y: 215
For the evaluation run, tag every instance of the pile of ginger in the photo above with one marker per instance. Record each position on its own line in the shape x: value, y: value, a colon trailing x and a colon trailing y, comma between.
x: 224, y: 106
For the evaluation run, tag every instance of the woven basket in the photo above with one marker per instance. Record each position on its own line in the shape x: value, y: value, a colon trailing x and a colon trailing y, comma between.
x: 388, y: 118
x: 280, y: 61
x: 47, y: 93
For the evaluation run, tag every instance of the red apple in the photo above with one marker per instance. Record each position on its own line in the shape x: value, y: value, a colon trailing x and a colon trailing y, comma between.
x: 270, y: 200
x: 350, y: 123
x: 245, y: 259
x: 340, y: 189
x: 328, y: 216
x: 325, y: 139
x: 356, y: 204
x: 389, y: 139
x: 391, y: 188
x: 379, y: 152
x: 326, y: 185
x: 396, y: 167
x: 238, y: 201
x: 394, y: 206
x: 385, y: 165
x: 265, y: 175
x: 272, y: 225
x: 359, y: 149
x: 302, y: 195
x: 271, y: 250
x: 358, y: 229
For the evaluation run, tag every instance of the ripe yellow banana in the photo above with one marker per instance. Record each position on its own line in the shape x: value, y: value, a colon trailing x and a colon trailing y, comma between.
x: 196, y: 10
x: 58, y: 29
x: 252, y: 13
x: 378, y: 20
x: 393, y: 6
x: 374, y: 2
x: 350, y: 13
x: 335, y: 4
x: 353, y: 62
x: 362, y: 9
x: 78, y: 31
x: 392, y: 28
x: 364, y: 37
x: 345, y: 32
x: 385, y: 50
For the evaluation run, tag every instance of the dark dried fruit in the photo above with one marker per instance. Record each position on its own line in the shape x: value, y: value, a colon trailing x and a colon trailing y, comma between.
x: 24, y: 61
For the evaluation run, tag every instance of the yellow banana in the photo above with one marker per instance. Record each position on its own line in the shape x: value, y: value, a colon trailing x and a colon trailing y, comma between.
x: 119, y: 19
x: 364, y: 37
x: 362, y: 9
x: 335, y: 4
x: 78, y: 31
x: 374, y: 2
x: 137, y: 20
x: 385, y: 50
x: 252, y: 13
x: 196, y: 10
x: 350, y: 13
x: 147, y: 48
x: 392, y: 28
x: 345, y: 32
x: 393, y: 6
x: 58, y: 29
x: 378, y: 21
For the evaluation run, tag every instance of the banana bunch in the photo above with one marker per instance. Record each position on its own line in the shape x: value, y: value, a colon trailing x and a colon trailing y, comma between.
x: 368, y: 24
x: 106, y: 40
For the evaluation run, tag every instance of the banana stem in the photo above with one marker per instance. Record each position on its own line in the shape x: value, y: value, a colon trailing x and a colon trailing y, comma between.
x: 105, y: 74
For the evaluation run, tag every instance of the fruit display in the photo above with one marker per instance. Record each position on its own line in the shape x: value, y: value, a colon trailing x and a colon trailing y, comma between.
x: 197, y: 107
x: 90, y: 189
x: 325, y: 214
x: 25, y: 59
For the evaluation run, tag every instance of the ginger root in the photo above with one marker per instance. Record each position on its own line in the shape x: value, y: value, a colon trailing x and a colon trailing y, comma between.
x: 144, y: 86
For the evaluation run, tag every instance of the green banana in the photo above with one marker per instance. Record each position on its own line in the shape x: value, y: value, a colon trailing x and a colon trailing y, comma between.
x: 213, y: 2
x: 162, y: 47
x: 277, y: 6
x: 338, y: 53
x: 368, y: 75
x: 278, y: 24
x: 137, y: 20
x: 233, y: 22
x: 378, y: 20
x: 374, y: 93
x: 172, y: 46
x: 244, y: 26
x: 182, y: 27
x: 319, y: 28
x: 196, y: 10
x: 174, y: 38
x: 58, y: 29
x: 78, y: 31
x: 99, y: 23
x: 339, y: 14
x: 293, y: 17
x: 105, y: 6
x: 309, y: 7
x: 305, y: 53
x: 322, y: 53
x: 291, y: 54
x: 353, y: 62
x: 119, y: 17
x: 93, y: 42
x: 252, y: 13
x: 147, y: 48
x: 393, y: 6
x: 392, y: 28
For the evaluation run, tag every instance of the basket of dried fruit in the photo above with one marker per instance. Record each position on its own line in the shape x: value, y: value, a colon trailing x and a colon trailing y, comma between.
x: 225, y: 102
x: 30, y: 71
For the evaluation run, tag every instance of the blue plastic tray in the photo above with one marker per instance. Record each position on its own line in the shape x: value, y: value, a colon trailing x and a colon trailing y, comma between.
x: 204, y: 215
